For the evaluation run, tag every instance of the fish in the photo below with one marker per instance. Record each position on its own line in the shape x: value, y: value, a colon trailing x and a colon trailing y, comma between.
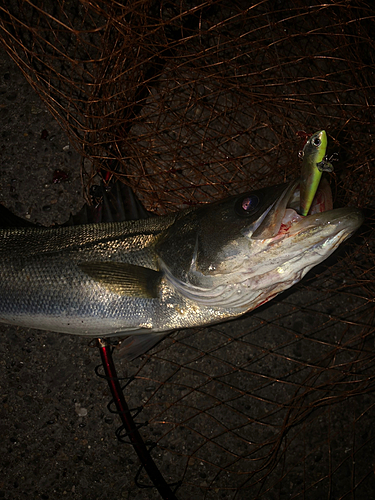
x: 141, y: 279
x: 313, y: 165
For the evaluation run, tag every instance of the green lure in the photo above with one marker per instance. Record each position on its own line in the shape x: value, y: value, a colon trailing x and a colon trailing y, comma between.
x: 313, y: 165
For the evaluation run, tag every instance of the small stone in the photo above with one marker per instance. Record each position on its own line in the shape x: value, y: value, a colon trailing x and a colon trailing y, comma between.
x: 81, y: 412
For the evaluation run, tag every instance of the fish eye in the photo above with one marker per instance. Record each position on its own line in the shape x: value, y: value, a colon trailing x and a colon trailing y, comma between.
x: 247, y: 205
x: 317, y: 142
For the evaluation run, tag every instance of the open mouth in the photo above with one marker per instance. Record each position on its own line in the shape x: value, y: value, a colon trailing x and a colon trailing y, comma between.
x: 322, y: 202
x: 284, y: 212
x: 320, y: 214
x: 282, y: 219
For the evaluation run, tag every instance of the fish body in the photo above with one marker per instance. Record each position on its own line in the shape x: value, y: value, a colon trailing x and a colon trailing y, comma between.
x: 200, y: 266
x: 313, y: 165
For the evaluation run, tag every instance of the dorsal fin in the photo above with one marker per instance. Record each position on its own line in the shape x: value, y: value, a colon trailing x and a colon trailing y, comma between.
x: 115, y: 202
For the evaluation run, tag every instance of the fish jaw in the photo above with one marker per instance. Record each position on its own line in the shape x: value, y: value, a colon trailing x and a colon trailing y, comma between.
x: 301, y: 242
x: 283, y: 261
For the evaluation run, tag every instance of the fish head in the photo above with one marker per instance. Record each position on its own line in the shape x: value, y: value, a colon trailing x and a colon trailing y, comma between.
x: 242, y: 251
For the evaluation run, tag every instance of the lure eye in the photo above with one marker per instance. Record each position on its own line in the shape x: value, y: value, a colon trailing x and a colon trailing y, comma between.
x: 247, y: 205
x: 317, y: 142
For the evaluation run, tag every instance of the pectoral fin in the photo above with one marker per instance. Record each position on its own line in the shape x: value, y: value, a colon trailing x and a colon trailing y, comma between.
x: 124, y: 279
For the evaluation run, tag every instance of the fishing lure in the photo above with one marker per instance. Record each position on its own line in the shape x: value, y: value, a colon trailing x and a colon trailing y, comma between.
x: 314, y: 164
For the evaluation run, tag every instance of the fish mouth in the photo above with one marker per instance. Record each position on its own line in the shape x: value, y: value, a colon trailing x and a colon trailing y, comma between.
x: 283, y: 220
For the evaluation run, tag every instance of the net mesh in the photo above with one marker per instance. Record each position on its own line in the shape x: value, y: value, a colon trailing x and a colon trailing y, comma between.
x: 195, y: 101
